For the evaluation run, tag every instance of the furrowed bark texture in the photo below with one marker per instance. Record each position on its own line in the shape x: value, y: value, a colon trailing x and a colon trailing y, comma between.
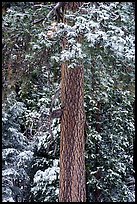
x: 72, y: 141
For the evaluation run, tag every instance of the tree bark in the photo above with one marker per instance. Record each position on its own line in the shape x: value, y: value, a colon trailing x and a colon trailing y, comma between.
x: 72, y: 141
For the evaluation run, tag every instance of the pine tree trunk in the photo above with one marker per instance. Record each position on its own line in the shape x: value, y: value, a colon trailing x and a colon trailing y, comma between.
x: 72, y: 141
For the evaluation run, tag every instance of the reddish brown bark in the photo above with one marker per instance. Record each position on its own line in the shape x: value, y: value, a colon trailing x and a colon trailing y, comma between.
x: 72, y: 141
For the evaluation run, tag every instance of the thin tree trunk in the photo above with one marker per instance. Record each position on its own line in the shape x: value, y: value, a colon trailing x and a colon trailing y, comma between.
x: 97, y: 191
x: 72, y: 141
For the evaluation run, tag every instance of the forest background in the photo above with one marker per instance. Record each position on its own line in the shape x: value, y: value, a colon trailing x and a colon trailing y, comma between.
x: 31, y: 74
